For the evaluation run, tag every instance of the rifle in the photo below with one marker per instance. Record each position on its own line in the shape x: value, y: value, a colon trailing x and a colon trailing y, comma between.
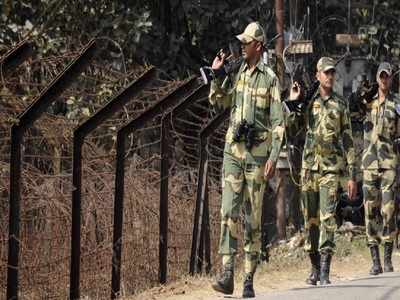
x: 232, y: 65
x: 362, y: 96
x: 304, y: 100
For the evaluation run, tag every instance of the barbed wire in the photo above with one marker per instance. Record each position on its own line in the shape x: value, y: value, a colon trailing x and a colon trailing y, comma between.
x: 47, y: 182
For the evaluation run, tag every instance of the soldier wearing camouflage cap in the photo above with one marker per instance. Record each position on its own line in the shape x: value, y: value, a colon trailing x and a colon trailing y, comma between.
x: 379, y: 161
x: 328, y: 148
x: 253, y: 94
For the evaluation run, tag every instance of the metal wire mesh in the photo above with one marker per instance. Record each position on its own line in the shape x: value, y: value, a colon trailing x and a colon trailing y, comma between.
x: 215, y: 153
x: 45, y: 234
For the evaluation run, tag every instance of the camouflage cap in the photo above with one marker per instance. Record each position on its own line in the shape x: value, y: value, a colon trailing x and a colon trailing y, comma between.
x: 325, y: 63
x: 384, y: 67
x: 253, y: 32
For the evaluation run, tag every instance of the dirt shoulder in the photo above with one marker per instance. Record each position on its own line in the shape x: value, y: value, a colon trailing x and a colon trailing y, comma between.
x: 287, y: 269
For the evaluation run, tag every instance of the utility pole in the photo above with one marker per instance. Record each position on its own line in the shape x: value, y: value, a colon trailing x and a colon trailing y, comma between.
x: 279, y: 14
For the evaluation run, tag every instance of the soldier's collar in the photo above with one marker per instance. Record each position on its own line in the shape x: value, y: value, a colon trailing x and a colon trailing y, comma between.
x: 260, y: 66
x: 324, y: 99
x: 389, y: 97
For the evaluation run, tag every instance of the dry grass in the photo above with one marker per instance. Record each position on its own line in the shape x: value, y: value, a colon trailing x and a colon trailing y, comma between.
x: 47, y: 186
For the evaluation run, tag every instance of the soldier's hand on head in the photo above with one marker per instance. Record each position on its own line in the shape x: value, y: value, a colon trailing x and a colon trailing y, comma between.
x: 269, y: 170
x: 295, y: 91
x: 219, y: 60
x: 352, y: 189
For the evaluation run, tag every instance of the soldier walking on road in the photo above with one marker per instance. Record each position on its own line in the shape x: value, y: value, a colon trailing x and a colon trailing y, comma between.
x: 253, y: 142
x: 379, y: 162
x: 328, y: 146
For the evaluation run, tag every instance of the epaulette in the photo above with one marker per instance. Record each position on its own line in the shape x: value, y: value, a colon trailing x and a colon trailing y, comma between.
x: 340, y: 99
x: 270, y: 72
x: 396, y: 98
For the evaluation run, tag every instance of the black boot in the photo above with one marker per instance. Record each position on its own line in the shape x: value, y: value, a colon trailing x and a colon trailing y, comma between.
x: 388, y: 266
x: 225, y: 283
x: 325, y: 268
x: 315, y: 269
x: 248, y: 290
x: 376, y: 261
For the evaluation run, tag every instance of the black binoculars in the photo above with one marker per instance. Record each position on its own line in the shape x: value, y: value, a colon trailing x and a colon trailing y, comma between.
x: 246, y: 131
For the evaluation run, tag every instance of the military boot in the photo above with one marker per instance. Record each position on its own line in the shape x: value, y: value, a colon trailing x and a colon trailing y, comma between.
x: 225, y: 282
x: 315, y: 268
x: 326, y: 259
x: 248, y: 290
x: 388, y: 266
x: 376, y: 261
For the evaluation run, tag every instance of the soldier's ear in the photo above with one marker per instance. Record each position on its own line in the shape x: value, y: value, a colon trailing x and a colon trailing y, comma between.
x: 259, y: 47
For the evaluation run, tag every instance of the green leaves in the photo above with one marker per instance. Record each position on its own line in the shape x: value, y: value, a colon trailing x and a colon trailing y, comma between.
x: 175, y: 35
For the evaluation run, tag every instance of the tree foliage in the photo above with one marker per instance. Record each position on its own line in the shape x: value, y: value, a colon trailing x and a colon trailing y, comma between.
x: 180, y: 35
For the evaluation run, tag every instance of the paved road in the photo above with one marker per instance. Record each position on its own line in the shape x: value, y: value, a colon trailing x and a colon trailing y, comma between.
x: 383, y: 287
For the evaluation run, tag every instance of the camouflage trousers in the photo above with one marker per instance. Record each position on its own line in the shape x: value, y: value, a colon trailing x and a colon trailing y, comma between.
x: 243, y: 187
x: 379, y: 205
x: 319, y: 199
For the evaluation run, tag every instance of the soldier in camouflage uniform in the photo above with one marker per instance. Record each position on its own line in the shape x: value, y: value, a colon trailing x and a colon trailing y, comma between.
x: 328, y: 146
x: 254, y: 96
x: 379, y: 161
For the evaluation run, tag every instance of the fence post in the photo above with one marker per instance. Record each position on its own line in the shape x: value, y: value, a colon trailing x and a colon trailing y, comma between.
x: 162, y: 106
x: 25, y: 120
x: 16, y: 56
x: 201, y: 215
x: 163, y: 243
x: 115, y: 104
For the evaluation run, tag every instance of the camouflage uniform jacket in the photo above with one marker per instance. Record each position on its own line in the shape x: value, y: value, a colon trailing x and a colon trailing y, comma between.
x: 254, y: 96
x: 381, y: 128
x: 328, y: 136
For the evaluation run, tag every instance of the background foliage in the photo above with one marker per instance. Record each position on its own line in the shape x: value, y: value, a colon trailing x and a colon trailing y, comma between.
x: 181, y: 35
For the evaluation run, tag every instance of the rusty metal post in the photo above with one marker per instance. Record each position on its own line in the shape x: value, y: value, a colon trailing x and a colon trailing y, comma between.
x: 118, y: 217
x: 181, y: 107
x: 200, y: 222
x: 163, y: 105
x: 163, y: 242
x: 25, y: 120
x: 201, y: 189
x: 115, y: 104
x: 15, y: 57
x: 206, y: 232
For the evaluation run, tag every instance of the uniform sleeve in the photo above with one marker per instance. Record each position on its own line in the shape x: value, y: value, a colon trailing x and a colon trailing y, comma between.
x: 348, y: 146
x: 277, y: 121
x: 220, y: 93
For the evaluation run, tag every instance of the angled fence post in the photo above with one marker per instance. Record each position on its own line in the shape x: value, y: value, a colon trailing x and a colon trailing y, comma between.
x: 176, y: 111
x: 164, y: 181
x: 115, y: 104
x: 25, y: 120
x: 201, y: 215
x: 16, y: 56
x: 163, y: 105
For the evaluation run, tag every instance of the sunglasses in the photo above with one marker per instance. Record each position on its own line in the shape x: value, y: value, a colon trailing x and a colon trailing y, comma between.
x: 246, y: 44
